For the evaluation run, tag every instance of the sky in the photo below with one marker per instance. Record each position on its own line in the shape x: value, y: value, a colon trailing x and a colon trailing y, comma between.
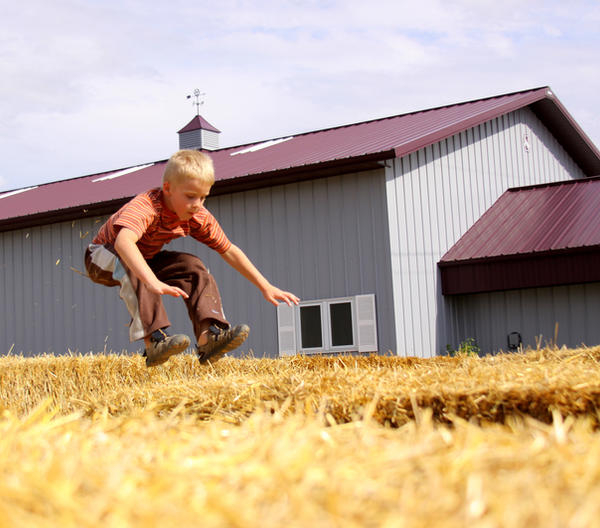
x: 97, y: 85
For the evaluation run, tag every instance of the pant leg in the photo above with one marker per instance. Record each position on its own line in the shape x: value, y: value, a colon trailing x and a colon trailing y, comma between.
x: 187, y: 272
x: 145, y: 307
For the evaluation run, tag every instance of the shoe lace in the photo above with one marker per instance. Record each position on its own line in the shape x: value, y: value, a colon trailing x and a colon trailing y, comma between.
x: 159, y: 335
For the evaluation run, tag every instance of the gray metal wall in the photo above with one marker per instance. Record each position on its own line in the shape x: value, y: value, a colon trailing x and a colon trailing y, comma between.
x: 534, y: 313
x: 47, y: 305
x: 437, y: 193
x: 320, y: 239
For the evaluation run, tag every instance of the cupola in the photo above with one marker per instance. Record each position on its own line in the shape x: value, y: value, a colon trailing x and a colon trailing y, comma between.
x: 199, y: 134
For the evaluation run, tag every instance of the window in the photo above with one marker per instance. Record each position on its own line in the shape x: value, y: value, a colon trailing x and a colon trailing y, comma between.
x: 328, y: 325
x: 311, y: 328
x: 340, y: 315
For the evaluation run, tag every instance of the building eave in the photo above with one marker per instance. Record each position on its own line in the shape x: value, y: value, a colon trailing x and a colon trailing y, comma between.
x: 242, y: 183
x: 530, y: 270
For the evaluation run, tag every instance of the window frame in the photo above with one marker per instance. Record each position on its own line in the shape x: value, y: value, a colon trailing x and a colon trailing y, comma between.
x: 310, y: 350
x: 326, y: 326
x: 364, y: 326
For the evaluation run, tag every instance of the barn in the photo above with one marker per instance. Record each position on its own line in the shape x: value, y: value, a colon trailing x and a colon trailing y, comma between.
x: 406, y: 235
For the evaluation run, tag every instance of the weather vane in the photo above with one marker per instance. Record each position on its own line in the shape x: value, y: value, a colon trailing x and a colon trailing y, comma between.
x: 199, y: 99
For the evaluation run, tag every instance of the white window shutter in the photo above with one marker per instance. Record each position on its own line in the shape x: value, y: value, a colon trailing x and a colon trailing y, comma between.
x: 286, y: 327
x: 366, y: 321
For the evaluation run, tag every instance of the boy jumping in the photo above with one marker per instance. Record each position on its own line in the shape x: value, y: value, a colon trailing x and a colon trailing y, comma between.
x: 127, y: 252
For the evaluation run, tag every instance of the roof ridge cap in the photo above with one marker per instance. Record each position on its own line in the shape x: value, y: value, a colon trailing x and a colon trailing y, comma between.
x: 395, y: 116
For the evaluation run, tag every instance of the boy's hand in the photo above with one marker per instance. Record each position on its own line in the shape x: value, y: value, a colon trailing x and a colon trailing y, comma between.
x: 274, y: 294
x: 164, y: 289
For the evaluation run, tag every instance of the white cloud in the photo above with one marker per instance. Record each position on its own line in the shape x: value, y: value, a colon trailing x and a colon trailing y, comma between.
x: 99, y: 86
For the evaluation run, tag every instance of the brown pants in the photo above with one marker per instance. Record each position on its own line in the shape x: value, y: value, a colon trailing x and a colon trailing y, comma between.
x: 146, y: 308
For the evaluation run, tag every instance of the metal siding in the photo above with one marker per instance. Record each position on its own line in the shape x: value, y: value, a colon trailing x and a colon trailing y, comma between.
x: 49, y: 306
x: 533, y: 312
x: 471, y: 170
x: 285, y: 230
x: 190, y: 139
x: 209, y: 140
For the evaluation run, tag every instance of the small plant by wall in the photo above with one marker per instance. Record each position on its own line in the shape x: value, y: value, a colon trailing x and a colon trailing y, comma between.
x: 468, y: 347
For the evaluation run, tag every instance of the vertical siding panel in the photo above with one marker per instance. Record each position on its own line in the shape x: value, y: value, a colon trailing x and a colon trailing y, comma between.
x: 28, y: 314
x: 39, y: 267
x: 281, y: 239
x: 410, y: 270
x: 56, y: 286
x: 421, y: 227
x: 305, y: 235
x: 268, y: 260
x: 252, y: 247
x: 396, y: 227
x: 322, y: 241
x: 513, y: 315
x: 562, y: 315
x: 293, y: 211
x: 575, y: 329
x: 7, y: 300
x: 265, y: 225
x: 352, y: 234
x: 78, y: 240
x: 336, y: 230
x: 259, y: 223
x: 63, y: 308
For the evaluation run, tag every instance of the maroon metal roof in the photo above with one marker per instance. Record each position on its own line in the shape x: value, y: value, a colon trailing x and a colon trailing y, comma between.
x: 320, y: 153
x: 532, y: 236
x: 198, y: 123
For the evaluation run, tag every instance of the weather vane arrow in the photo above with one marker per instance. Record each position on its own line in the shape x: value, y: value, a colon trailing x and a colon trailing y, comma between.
x: 199, y: 99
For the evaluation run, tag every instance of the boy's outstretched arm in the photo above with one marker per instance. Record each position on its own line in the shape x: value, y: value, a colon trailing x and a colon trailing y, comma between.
x: 125, y: 245
x: 238, y: 260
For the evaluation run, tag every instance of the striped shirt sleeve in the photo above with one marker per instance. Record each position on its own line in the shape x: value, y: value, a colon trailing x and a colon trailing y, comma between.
x: 137, y: 215
x: 207, y: 230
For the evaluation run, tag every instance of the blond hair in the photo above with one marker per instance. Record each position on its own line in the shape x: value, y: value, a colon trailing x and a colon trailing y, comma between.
x: 188, y: 164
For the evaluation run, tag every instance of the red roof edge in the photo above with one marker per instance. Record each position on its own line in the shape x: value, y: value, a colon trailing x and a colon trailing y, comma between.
x: 324, y: 169
x: 198, y: 123
x: 239, y: 184
x: 511, y: 272
x: 547, y: 107
x: 526, y: 99
x: 63, y: 215
x: 566, y: 130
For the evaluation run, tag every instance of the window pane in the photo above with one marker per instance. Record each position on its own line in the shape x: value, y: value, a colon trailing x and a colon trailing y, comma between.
x: 310, y: 326
x: 341, y: 324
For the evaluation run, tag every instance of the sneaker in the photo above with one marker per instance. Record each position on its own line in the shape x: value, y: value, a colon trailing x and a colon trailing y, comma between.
x: 163, y: 346
x: 221, y: 341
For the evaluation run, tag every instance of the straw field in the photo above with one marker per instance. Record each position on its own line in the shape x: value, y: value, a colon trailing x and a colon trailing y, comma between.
x: 505, y: 440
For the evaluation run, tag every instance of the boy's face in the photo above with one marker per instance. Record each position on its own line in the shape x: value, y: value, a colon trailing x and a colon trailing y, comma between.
x: 186, y: 198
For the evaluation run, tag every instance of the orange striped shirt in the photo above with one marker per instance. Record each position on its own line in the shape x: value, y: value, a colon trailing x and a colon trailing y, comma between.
x: 148, y: 216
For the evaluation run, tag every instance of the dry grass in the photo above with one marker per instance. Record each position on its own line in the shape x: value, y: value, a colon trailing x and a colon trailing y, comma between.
x: 485, y: 389
x: 509, y: 440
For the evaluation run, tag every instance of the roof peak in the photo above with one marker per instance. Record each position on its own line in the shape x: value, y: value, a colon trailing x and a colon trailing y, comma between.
x: 199, y: 123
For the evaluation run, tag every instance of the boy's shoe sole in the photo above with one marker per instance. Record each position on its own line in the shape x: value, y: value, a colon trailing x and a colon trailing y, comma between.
x: 160, y: 352
x: 225, y: 341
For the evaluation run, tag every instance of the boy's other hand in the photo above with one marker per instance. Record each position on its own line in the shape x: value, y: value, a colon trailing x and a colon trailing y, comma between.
x: 274, y: 295
x: 164, y: 289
